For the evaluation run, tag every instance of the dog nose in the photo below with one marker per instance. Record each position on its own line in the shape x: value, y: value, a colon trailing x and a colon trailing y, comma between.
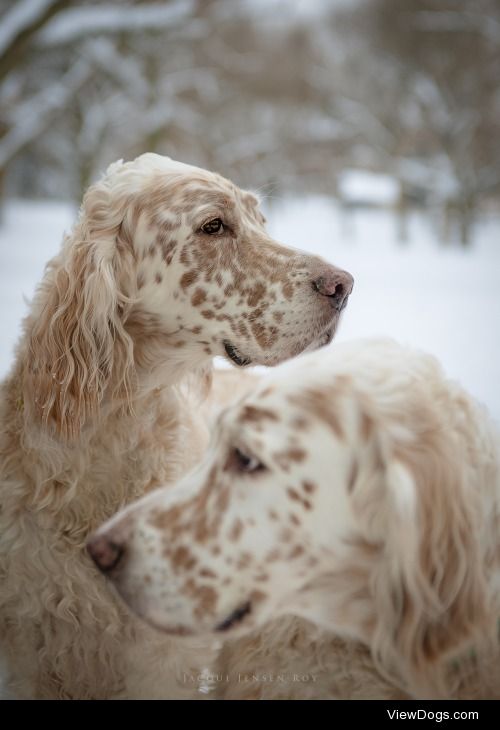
x: 336, y: 285
x: 105, y: 553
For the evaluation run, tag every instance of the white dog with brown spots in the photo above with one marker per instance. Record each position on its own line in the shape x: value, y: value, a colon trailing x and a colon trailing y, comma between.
x: 358, y: 489
x: 167, y: 266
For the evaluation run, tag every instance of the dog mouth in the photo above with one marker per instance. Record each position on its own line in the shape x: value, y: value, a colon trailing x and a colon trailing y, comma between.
x: 328, y: 336
x: 344, y: 304
x: 234, y: 355
x: 325, y: 338
x: 235, y: 617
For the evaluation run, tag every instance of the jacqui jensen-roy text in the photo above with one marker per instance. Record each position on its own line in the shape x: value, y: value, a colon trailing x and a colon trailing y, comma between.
x: 248, y: 678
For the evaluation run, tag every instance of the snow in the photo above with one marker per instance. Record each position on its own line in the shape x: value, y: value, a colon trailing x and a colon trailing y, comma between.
x: 442, y: 299
x: 367, y: 188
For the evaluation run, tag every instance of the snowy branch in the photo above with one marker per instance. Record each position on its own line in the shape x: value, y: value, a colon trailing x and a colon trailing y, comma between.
x: 362, y: 117
x: 458, y: 22
x: 35, y: 114
x: 125, y: 69
x: 18, y: 19
x: 19, y: 24
x: 75, y: 23
x: 248, y: 146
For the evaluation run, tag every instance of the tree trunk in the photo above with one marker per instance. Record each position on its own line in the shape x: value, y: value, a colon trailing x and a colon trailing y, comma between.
x: 466, y: 210
x: 401, y: 217
x: 3, y: 178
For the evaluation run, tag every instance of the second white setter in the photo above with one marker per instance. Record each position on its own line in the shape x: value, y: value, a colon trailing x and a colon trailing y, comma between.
x: 358, y: 489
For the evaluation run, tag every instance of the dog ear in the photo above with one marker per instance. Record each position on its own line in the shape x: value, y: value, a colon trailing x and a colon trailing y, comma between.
x: 431, y: 599
x: 78, y: 347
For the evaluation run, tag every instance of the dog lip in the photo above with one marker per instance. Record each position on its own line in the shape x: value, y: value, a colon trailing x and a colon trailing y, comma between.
x: 327, y: 335
x: 339, y: 308
x: 344, y: 303
x: 234, y: 355
x: 235, y: 617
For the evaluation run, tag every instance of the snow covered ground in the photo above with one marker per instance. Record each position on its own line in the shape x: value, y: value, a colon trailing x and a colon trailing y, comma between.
x: 442, y: 299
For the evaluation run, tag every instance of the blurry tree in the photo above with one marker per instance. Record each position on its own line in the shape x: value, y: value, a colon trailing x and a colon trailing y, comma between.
x: 59, y: 57
x: 445, y: 55
x: 210, y: 81
x: 258, y: 92
x: 20, y: 22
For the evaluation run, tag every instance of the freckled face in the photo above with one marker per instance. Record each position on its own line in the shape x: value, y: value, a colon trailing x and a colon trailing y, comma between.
x: 239, y: 539
x: 216, y: 283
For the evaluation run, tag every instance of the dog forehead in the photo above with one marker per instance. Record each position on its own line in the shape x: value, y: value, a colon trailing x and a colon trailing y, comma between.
x: 292, y: 401
x: 260, y: 422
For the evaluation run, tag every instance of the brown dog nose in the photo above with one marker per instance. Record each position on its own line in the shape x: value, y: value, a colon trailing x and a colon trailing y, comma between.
x: 336, y: 285
x: 105, y: 553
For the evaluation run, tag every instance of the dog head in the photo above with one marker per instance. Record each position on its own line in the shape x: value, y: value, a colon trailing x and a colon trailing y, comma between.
x: 334, y: 492
x: 168, y: 266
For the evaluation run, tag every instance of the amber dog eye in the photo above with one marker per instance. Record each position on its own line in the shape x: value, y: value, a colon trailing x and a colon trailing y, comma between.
x: 246, y: 463
x: 213, y: 227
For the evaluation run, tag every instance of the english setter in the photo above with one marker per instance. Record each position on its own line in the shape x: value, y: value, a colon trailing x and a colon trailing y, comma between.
x: 358, y: 489
x: 167, y: 266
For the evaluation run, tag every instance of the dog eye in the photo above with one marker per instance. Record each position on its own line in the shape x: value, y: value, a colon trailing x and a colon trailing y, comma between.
x: 213, y: 227
x: 246, y: 463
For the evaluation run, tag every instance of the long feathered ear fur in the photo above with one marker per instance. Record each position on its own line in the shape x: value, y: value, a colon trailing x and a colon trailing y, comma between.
x: 78, y: 346
x: 432, y: 606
